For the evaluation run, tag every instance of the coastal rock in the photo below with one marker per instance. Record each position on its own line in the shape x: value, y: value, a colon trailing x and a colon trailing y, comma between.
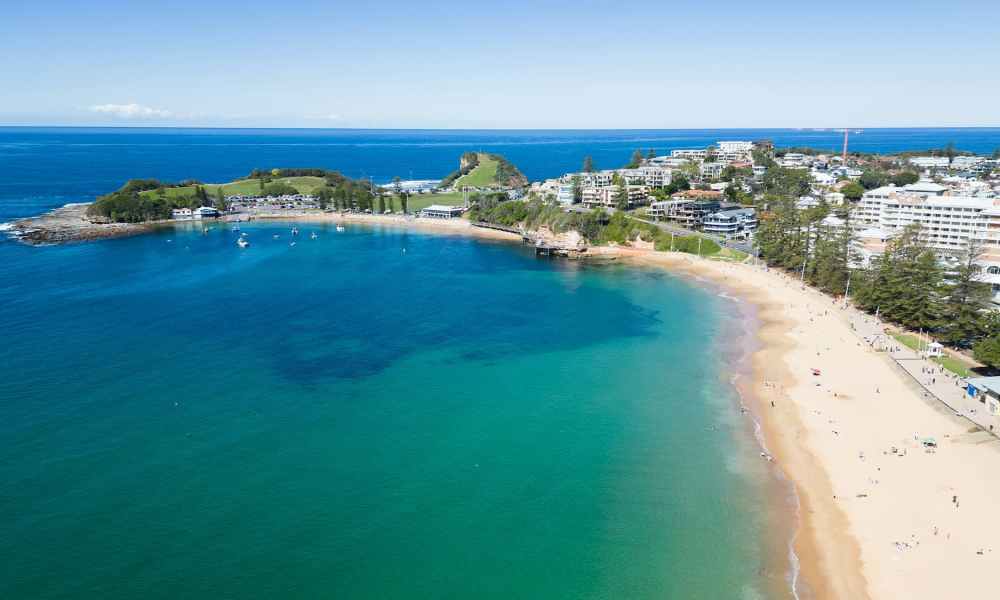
x: 70, y: 224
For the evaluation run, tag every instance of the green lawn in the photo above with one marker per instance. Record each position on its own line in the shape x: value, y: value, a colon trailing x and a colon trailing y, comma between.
x: 947, y: 361
x: 417, y: 202
x: 484, y: 175
x: 247, y: 187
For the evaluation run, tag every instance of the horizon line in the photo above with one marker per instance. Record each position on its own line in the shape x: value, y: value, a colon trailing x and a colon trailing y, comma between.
x: 838, y: 129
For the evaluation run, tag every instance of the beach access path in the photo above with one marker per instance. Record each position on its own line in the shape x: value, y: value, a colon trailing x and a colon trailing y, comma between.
x: 937, y: 382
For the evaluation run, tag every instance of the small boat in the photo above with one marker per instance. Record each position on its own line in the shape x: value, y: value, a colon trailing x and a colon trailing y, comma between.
x: 204, y: 231
x: 313, y: 236
x: 244, y: 234
x: 242, y: 243
x: 292, y: 244
x: 341, y: 228
x: 276, y: 236
x: 295, y: 231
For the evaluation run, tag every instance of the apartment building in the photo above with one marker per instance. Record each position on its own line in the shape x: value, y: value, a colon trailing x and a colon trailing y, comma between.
x: 948, y: 223
x: 737, y: 222
x: 596, y: 197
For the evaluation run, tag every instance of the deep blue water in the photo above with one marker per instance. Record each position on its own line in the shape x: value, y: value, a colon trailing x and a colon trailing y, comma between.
x: 41, y: 168
x: 180, y: 418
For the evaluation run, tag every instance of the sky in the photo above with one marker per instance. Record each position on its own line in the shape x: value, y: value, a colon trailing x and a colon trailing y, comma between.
x: 503, y: 65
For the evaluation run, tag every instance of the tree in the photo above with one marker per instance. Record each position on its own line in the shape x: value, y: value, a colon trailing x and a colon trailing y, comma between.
x: 987, y: 351
x: 853, y: 191
x: 636, y: 159
x: 621, y: 195
x: 950, y: 152
x: 588, y: 164
x: 323, y: 196
x: 220, y: 200
x: 381, y: 204
x: 905, y: 178
x: 651, y: 153
x: 966, y: 302
x: 873, y: 178
x: 403, y: 196
x: 577, y: 189
x: 678, y: 183
x: 996, y: 154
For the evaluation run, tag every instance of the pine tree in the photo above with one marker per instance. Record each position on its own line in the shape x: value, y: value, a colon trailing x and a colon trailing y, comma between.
x: 966, y: 302
x: 588, y: 165
x: 636, y: 159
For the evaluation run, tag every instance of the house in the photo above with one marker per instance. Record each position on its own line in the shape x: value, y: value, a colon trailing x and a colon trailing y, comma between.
x: 181, y: 213
x: 205, y: 212
x: 438, y: 211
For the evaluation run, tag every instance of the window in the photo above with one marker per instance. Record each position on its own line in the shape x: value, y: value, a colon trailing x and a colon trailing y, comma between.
x: 993, y: 270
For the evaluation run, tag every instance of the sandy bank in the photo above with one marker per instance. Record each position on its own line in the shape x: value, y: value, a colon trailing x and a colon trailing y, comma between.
x: 438, y: 226
x: 881, y: 516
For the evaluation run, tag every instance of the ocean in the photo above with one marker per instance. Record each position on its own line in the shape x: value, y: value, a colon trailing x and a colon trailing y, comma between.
x: 376, y: 413
x: 45, y: 167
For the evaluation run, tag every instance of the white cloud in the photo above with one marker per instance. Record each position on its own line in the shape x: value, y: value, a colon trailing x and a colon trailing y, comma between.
x: 131, y: 111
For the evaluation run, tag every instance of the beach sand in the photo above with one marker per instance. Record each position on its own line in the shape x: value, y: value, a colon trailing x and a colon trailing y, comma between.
x: 874, y: 523
x: 437, y: 226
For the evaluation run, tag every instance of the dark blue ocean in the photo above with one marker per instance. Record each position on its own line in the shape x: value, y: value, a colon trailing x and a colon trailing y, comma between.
x: 42, y: 167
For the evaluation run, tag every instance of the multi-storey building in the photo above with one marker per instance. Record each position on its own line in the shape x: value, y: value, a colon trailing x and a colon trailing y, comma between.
x: 594, y: 197
x: 731, y: 223
x: 948, y: 224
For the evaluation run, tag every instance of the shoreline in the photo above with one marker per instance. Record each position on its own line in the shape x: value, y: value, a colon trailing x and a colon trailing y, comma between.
x: 880, y: 516
x: 875, y: 515
x: 68, y: 223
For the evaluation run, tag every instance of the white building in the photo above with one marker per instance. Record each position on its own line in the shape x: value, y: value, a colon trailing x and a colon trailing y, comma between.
x: 564, y: 194
x: 740, y: 147
x: 736, y: 222
x: 204, y: 212
x: 594, y: 197
x: 947, y: 223
x: 438, y: 211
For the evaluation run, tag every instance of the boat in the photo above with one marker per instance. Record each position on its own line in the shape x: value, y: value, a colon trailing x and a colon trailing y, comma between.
x: 244, y: 234
x: 295, y: 231
x: 292, y: 244
x: 341, y: 228
x: 313, y: 236
x: 275, y: 236
x: 242, y: 243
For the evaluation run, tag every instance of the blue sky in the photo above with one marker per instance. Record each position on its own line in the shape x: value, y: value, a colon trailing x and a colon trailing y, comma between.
x: 501, y: 64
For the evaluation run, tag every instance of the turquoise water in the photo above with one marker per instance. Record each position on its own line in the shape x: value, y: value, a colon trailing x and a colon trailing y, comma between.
x: 343, y: 419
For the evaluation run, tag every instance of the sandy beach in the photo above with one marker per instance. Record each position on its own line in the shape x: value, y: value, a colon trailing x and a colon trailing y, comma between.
x: 881, y: 517
x: 437, y: 226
